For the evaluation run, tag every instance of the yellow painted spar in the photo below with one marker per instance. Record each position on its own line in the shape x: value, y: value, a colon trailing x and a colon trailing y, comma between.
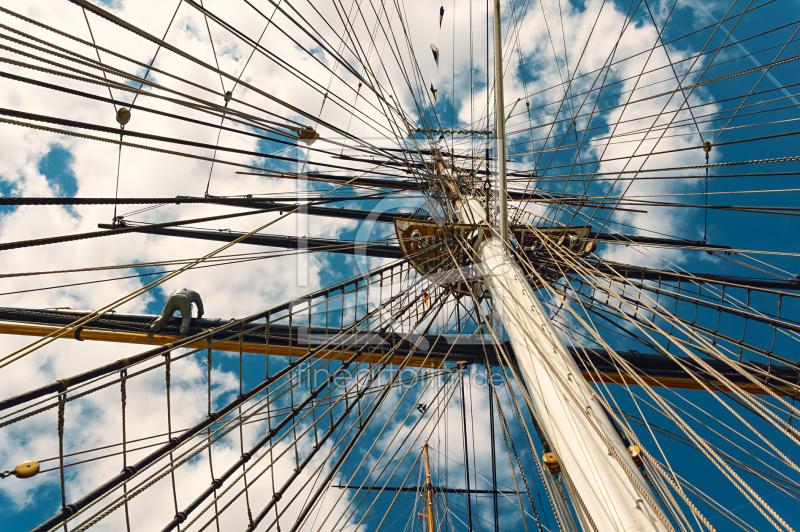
x: 230, y: 346
x: 683, y: 383
x: 296, y: 351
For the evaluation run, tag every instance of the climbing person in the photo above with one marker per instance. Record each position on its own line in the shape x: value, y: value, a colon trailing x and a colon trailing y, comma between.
x: 179, y: 300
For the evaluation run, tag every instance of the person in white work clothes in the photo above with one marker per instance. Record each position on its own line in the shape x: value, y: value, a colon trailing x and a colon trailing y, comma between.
x: 179, y: 300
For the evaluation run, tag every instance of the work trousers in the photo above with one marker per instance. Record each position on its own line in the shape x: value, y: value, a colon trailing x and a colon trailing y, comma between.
x: 176, y: 302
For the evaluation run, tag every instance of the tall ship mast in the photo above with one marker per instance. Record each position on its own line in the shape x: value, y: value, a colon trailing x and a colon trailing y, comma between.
x: 358, y: 265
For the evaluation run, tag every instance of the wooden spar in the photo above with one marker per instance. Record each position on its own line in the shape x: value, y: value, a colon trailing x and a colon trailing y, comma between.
x: 428, y: 488
x: 433, y: 362
x: 231, y: 346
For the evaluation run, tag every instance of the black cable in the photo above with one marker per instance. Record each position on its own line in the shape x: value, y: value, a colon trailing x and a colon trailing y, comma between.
x: 119, y: 161
x: 159, y: 138
x: 748, y: 10
x: 219, y: 134
x: 122, y: 230
x: 141, y: 33
x: 494, y: 461
x: 466, y: 451
x: 130, y: 276
x: 153, y: 111
x: 705, y: 230
x: 150, y: 65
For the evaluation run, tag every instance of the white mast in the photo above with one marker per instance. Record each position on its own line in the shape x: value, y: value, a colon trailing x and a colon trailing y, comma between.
x: 616, y: 498
x: 564, y: 401
x: 500, y: 118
